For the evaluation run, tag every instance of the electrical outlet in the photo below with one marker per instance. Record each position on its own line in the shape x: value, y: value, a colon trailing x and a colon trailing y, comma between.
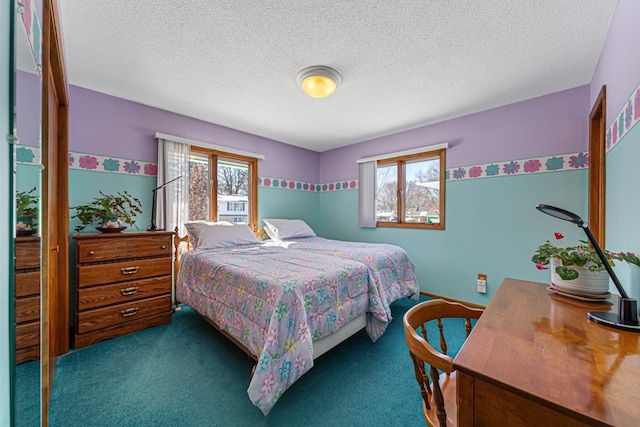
x: 482, y: 283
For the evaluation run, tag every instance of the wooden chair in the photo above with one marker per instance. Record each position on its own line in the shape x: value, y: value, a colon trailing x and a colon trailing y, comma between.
x: 439, y: 398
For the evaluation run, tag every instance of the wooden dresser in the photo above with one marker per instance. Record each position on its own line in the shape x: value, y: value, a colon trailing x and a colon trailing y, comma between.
x: 534, y: 359
x: 27, y: 298
x: 123, y: 284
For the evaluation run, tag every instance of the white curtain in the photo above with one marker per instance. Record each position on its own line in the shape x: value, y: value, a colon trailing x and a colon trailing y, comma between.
x: 173, y: 200
x: 367, y: 194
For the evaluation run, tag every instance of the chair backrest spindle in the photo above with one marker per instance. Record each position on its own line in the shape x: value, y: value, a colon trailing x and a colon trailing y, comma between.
x: 441, y: 393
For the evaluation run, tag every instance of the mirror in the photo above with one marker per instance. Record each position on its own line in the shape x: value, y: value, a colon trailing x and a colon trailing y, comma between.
x: 27, y: 108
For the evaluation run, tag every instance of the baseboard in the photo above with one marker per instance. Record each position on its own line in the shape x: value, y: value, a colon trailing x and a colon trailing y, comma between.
x: 468, y: 304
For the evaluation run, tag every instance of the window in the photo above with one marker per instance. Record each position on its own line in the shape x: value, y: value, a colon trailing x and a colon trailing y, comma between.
x: 410, y: 191
x: 235, y: 206
x: 222, y: 186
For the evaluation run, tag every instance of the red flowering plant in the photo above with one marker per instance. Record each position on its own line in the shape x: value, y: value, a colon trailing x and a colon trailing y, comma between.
x: 580, y: 255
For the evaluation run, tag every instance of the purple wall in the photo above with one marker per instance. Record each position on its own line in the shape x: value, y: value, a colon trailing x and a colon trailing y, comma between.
x: 619, y: 65
x: 551, y: 124
x: 28, y: 108
x: 110, y: 126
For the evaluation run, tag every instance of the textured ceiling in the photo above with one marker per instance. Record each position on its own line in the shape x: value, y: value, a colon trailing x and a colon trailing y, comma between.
x: 404, y: 63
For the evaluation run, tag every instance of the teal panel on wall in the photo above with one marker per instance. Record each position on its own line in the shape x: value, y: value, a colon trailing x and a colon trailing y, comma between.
x: 27, y: 177
x: 623, y: 206
x: 492, y: 227
x: 289, y: 204
x: 86, y: 185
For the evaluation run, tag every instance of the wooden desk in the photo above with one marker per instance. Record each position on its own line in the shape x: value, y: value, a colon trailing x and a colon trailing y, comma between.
x: 535, y: 359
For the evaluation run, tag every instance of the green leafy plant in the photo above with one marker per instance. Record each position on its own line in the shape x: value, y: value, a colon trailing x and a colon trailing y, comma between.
x: 122, y: 206
x: 27, y: 206
x: 581, y: 255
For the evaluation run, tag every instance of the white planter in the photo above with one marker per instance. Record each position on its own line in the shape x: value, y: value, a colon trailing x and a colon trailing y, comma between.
x: 587, y: 282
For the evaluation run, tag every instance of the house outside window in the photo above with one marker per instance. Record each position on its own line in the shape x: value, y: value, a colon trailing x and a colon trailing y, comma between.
x: 410, y: 191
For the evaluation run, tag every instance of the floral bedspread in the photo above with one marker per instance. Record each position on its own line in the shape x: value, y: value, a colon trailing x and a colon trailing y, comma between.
x: 391, y: 274
x: 276, y: 303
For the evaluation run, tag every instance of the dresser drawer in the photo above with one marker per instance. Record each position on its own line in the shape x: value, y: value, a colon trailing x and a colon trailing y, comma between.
x: 124, y: 292
x: 117, y: 314
x: 27, y: 253
x: 27, y: 309
x: 124, y: 271
x: 27, y: 334
x: 27, y: 284
x: 108, y: 249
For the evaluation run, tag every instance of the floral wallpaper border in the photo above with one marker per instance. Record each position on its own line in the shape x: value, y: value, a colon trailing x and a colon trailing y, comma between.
x: 112, y: 164
x: 31, y: 155
x: 628, y: 116
x: 349, y: 184
x: 556, y: 163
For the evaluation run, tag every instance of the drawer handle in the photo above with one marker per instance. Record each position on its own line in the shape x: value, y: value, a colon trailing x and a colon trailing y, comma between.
x: 92, y: 253
x: 129, y: 311
x: 129, y: 270
x: 129, y: 291
x: 163, y: 247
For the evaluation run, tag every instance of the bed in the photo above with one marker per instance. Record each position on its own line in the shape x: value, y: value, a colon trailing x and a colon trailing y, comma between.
x: 287, y: 301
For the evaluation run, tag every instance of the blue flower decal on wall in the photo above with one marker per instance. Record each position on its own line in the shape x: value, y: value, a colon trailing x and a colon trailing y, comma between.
x: 24, y: 155
x: 111, y: 165
x: 555, y: 163
x: 492, y: 170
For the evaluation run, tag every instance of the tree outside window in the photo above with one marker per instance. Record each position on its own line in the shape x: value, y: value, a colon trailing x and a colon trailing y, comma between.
x: 410, y: 191
x: 221, y: 183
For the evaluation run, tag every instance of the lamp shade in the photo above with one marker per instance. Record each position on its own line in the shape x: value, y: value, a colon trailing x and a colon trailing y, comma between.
x: 319, y: 81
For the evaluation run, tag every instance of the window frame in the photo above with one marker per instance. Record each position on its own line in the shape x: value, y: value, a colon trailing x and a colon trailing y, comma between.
x: 252, y: 164
x: 400, y: 162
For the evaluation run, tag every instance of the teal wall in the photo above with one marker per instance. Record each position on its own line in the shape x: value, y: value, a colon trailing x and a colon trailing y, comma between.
x: 623, y: 206
x: 492, y: 227
x: 272, y: 202
x: 290, y: 204
x: 28, y: 176
x: 85, y: 185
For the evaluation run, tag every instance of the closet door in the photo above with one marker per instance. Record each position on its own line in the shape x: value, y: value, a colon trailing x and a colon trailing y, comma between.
x: 55, y: 203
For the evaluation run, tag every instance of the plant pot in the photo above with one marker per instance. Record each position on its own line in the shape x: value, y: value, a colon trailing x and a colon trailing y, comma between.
x: 586, y: 282
x: 110, y: 222
x: 24, y: 226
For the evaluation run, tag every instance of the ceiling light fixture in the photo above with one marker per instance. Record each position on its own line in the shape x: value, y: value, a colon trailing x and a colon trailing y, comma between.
x: 319, y: 81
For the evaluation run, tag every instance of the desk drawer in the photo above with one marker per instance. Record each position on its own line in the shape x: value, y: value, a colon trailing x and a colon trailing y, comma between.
x: 99, y: 296
x: 27, y: 334
x: 124, y: 271
x: 108, y: 249
x: 117, y: 314
x: 27, y: 309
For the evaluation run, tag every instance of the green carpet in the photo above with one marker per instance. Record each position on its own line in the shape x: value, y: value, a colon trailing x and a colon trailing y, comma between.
x: 187, y: 374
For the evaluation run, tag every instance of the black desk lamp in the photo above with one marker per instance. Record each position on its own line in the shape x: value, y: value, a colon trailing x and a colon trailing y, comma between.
x: 627, y: 316
x: 153, y: 226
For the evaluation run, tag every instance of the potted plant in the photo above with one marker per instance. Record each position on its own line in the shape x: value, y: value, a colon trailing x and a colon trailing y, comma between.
x: 108, y: 212
x: 26, y: 212
x: 578, y: 268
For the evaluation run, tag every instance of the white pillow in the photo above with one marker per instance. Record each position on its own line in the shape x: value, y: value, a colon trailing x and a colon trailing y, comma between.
x: 221, y: 236
x: 280, y: 229
x: 195, y: 229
